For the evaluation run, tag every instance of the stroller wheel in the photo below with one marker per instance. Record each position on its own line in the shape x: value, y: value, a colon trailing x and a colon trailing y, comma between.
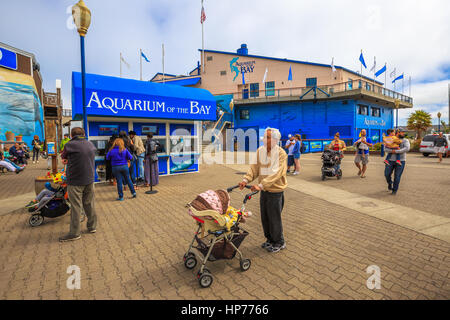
x: 188, y: 254
x: 323, y: 176
x: 205, y: 280
x: 339, y: 175
x: 245, y: 264
x: 205, y: 270
x: 190, y: 262
x: 36, y: 220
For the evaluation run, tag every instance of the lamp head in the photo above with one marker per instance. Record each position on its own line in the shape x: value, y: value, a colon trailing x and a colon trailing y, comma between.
x: 81, y: 17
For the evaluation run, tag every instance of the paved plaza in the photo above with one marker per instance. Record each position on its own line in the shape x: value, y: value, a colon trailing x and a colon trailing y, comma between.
x: 334, y: 231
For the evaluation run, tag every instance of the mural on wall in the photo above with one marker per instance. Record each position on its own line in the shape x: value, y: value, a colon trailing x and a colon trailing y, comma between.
x: 20, y: 111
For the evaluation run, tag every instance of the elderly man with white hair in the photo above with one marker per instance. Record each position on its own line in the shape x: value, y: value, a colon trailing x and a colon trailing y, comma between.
x: 270, y: 169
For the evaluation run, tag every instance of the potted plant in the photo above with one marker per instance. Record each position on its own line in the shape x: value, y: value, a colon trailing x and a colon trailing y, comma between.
x: 9, y: 136
x: 19, y: 137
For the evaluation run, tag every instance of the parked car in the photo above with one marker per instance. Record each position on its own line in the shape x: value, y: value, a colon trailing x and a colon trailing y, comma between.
x: 427, y: 146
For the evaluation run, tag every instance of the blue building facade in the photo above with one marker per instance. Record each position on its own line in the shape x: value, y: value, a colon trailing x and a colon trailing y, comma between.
x: 317, y: 120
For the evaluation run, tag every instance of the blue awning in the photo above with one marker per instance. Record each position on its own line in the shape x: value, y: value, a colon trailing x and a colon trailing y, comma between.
x: 118, y: 97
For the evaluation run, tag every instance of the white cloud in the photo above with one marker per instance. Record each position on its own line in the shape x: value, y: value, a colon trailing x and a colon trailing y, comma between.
x: 411, y: 35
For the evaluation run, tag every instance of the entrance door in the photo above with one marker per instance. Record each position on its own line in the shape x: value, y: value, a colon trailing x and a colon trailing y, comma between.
x: 244, y: 93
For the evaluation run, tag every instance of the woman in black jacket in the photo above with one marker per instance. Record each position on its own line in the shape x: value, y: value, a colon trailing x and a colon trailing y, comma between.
x: 36, y: 143
x: 109, y: 144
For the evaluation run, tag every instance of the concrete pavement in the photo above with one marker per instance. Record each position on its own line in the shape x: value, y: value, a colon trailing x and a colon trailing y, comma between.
x: 138, y: 248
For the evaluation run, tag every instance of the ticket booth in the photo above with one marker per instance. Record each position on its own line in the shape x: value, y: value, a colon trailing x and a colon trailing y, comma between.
x: 172, y: 113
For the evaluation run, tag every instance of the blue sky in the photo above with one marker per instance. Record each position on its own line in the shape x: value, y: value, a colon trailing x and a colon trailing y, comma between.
x: 410, y: 35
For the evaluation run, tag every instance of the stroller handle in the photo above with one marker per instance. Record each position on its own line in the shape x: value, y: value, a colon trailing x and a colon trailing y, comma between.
x: 247, y: 196
x: 230, y: 189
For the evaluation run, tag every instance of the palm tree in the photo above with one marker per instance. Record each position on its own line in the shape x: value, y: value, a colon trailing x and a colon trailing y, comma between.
x: 419, y: 121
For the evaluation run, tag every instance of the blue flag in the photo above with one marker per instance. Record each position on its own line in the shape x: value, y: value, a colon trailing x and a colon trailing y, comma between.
x: 398, y: 78
x: 381, y: 71
x: 143, y: 55
x: 290, y: 74
x: 361, y: 58
x: 243, y: 78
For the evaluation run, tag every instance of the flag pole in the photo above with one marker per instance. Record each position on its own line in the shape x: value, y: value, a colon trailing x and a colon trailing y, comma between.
x: 140, y: 62
x: 385, y: 76
x: 410, y: 86
x: 163, y: 62
x: 203, y: 44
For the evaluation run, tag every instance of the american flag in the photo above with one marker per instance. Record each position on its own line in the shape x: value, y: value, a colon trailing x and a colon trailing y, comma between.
x: 203, y: 15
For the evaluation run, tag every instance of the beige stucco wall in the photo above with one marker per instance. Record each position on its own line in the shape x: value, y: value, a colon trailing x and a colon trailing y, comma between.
x: 278, y: 71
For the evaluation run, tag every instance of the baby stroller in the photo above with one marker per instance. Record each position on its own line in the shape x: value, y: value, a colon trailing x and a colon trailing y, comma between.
x: 331, y: 159
x: 218, y: 235
x: 55, y: 207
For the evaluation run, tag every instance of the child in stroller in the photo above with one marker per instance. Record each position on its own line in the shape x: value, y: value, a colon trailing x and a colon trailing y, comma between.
x: 218, y: 234
x: 51, y: 202
x: 331, y: 161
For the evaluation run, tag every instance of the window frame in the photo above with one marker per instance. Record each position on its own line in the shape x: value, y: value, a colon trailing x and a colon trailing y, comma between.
x: 309, y: 80
x: 269, y: 91
x: 254, y: 93
x: 241, y: 112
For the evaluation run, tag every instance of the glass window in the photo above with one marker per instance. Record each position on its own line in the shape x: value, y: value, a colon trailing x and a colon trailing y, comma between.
x: 363, y: 110
x: 254, y: 90
x: 375, y: 112
x: 270, y: 88
x: 350, y: 84
x: 245, y: 114
x: 311, y: 82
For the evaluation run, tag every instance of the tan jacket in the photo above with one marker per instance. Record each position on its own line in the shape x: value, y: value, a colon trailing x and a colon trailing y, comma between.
x: 269, y: 169
x: 138, y: 144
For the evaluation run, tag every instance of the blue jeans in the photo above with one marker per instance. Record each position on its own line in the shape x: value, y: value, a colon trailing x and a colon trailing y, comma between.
x: 398, y: 171
x: 122, y: 175
x: 141, y: 165
x: 132, y: 171
x: 13, y: 164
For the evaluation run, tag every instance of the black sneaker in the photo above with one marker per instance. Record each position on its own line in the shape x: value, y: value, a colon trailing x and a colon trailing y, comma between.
x: 69, y: 237
x: 92, y: 230
x: 390, y: 186
x: 266, y: 244
x: 278, y: 247
x: 394, y: 192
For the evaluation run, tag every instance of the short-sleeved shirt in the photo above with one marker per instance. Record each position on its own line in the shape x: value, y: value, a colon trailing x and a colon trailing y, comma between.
x: 291, y: 148
x: 364, y: 147
x: 440, y: 142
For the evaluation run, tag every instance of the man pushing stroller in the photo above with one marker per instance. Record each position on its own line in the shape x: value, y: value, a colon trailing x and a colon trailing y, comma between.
x: 270, y: 169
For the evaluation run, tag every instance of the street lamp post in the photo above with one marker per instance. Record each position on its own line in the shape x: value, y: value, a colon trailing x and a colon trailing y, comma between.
x: 82, y: 19
x: 439, y: 121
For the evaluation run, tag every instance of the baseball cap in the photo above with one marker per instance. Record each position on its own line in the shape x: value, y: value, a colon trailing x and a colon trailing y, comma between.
x: 289, y: 135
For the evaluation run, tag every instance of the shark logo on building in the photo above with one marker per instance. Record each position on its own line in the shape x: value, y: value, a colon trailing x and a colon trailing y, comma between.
x: 233, y: 67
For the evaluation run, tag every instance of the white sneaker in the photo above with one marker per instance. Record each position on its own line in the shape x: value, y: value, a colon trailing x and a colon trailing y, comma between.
x: 37, y: 161
x: 295, y: 173
x: 34, y: 162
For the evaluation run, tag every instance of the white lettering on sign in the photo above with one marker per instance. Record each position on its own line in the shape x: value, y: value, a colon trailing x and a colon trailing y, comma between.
x: 195, y: 109
x: 369, y: 122
x: 116, y: 104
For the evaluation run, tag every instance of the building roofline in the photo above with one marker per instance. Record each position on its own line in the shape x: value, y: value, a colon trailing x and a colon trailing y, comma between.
x: 166, y: 74
x: 290, y: 60
x: 16, y: 50
x: 178, y: 78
